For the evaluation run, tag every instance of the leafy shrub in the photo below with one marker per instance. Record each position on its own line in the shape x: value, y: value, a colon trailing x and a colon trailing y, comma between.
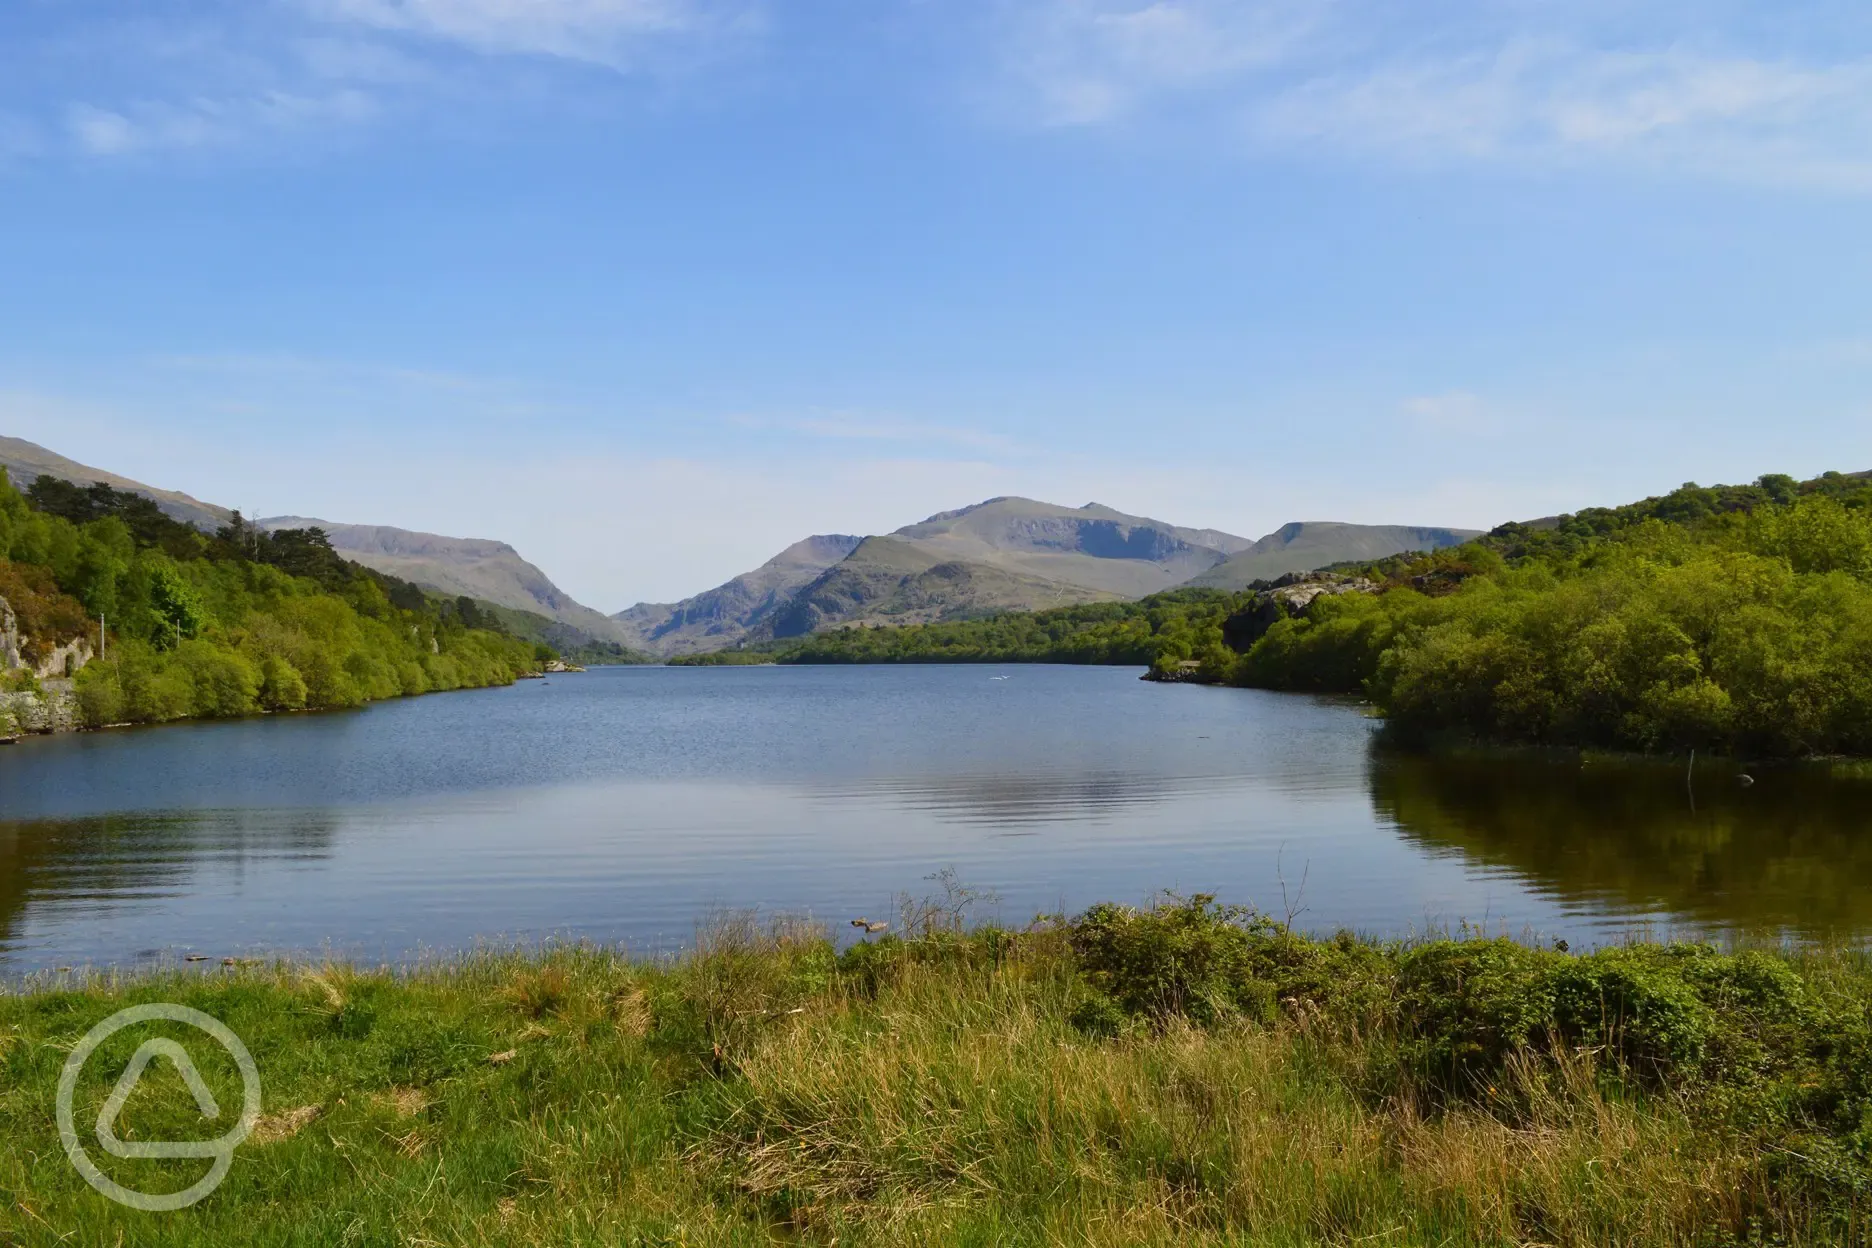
x: 1638, y: 1003
x: 1189, y: 958
x: 100, y: 701
x: 1468, y: 1004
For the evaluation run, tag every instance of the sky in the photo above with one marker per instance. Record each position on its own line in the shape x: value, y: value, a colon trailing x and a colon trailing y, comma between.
x: 652, y: 288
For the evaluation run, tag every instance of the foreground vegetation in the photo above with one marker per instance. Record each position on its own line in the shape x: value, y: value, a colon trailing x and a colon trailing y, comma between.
x: 1733, y: 619
x: 1184, y: 1074
x: 233, y: 624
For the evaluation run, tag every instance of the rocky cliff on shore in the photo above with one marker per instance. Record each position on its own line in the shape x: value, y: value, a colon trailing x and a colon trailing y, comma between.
x: 36, y: 692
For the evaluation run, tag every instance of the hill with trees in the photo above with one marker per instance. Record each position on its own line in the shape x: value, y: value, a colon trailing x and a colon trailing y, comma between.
x: 480, y: 568
x: 1731, y: 618
x: 235, y: 623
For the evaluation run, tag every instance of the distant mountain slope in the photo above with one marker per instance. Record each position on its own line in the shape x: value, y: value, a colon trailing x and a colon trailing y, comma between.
x: 722, y: 616
x: 889, y: 580
x: 1305, y: 545
x: 1092, y: 547
x: 476, y: 567
x: 1005, y: 554
x: 25, y: 461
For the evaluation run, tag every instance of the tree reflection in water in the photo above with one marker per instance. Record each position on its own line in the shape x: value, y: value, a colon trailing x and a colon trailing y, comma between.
x: 1790, y: 854
x: 99, y: 863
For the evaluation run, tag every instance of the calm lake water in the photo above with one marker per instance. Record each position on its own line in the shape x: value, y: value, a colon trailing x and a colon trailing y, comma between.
x: 625, y: 804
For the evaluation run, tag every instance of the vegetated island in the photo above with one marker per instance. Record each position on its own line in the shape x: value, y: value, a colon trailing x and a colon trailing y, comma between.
x: 191, y: 625
x: 1183, y: 1074
x: 1735, y: 619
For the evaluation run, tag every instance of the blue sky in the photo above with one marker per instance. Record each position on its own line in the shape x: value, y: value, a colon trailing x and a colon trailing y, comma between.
x: 650, y: 288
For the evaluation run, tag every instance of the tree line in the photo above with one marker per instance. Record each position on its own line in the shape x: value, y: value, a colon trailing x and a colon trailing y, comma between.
x: 230, y: 623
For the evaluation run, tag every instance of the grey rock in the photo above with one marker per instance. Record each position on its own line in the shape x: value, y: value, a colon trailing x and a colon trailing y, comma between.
x: 1286, y: 598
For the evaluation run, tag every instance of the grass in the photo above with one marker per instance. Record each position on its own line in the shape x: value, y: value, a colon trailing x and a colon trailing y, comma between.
x: 1186, y: 1075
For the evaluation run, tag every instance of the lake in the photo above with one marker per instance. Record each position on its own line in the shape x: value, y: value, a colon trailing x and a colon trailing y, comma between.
x: 627, y: 804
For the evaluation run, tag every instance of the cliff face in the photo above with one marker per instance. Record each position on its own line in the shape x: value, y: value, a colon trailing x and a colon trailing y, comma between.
x: 16, y: 655
x: 47, y: 704
x: 53, y: 707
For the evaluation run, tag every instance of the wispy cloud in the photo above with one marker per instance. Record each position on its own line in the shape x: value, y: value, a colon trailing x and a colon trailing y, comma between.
x: 258, y: 75
x: 1550, y: 102
x: 156, y: 125
x: 1083, y: 62
x: 1468, y: 82
x: 608, y: 32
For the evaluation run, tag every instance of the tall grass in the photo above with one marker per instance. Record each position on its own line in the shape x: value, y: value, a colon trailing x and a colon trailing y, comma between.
x: 1054, y: 1085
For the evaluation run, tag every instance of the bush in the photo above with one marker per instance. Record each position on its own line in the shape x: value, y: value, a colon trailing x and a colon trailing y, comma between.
x: 100, y: 701
x: 1189, y: 958
x: 1467, y: 1004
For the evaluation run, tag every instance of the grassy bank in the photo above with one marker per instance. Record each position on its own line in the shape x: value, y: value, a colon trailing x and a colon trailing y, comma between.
x: 1184, y: 1076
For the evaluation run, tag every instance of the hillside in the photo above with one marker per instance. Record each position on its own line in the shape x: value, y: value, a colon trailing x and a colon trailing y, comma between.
x: 26, y: 461
x: 888, y: 580
x: 207, y: 626
x: 1093, y: 548
x: 723, y: 616
x: 529, y: 605
x: 478, y: 568
x: 1722, y: 619
x: 1305, y: 545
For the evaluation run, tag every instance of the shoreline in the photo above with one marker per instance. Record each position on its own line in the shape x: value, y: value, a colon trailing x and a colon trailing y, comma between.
x: 57, y: 712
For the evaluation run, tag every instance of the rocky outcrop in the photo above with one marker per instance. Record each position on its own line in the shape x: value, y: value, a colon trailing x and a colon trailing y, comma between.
x: 1287, y: 598
x: 50, y: 663
x: 52, y: 707
x: 1187, y: 672
x: 35, y: 684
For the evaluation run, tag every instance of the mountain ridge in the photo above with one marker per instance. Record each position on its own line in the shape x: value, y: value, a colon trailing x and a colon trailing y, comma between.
x: 723, y: 616
x: 1302, y: 545
x: 475, y: 567
x: 26, y: 461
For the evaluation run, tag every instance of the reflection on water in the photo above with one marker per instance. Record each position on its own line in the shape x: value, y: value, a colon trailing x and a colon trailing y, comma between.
x: 625, y: 804
x: 95, y: 866
x: 1013, y: 800
x: 1790, y: 852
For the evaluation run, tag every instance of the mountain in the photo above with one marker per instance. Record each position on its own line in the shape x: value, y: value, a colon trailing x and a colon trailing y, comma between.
x: 26, y: 461
x: 890, y: 580
x: 722, y: 616
x: 1305, y: 545
x: 1093, y: 548
x: 1004, y: 554
x: 477, y: 568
